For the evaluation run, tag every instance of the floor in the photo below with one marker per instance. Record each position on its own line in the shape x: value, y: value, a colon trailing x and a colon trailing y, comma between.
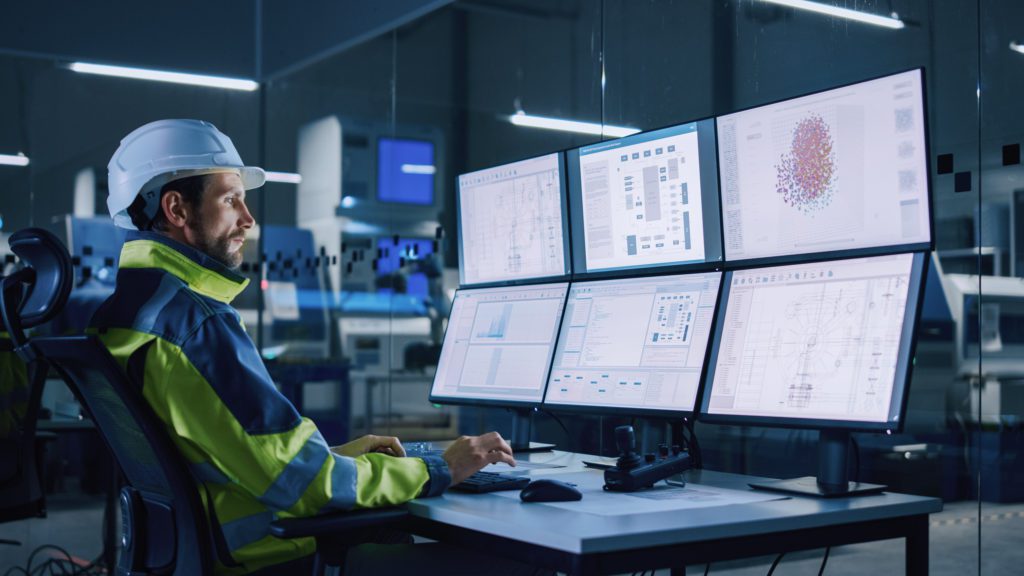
x: 75, y: 524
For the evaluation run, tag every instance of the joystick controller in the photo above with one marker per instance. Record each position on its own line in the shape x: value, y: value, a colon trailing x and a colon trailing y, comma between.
x: 634, y: 472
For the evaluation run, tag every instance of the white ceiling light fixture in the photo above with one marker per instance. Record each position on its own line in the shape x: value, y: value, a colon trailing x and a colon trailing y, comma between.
x: 284, y: 177
x: 164, y: 76
x: 1016, y: 47
x: 18, y: 159
x: 523, y: 119
x: 892, y: 22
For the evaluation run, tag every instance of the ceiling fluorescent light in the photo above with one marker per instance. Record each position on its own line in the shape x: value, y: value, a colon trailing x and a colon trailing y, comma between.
x: 286, y: 177
x: 1016, y: 47
x: 521, y: 119
x: 18, y: 159
x: 418, y: 169
x: 883, y: 21
x: 163, y: 76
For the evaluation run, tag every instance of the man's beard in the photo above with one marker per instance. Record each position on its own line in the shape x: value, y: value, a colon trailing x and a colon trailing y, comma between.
x: 217, y: 248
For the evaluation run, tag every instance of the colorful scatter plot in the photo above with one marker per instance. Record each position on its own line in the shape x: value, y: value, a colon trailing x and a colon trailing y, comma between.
x: 807, y: 173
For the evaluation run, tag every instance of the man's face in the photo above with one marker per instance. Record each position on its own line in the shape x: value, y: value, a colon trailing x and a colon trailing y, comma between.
x: 221, y: 219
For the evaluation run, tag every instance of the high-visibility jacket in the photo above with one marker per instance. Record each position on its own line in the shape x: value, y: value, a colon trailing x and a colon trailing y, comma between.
x: 14, y: 391
x: 254, y: 456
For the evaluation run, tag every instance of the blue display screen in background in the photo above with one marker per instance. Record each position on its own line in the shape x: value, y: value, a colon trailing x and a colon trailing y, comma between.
x: 405, y: 171
x: 412, y: 250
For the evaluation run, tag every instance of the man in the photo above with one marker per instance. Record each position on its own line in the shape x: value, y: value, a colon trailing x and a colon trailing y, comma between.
x: 179, y: 187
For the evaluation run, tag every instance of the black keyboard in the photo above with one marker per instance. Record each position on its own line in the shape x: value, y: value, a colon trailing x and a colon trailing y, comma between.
x: 491, y: 482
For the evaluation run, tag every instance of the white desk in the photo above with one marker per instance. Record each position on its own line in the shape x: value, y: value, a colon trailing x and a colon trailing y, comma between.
x: 582, y: 543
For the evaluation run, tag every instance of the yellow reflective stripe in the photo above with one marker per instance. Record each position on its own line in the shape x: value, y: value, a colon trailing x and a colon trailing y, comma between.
x: 384, y: 480
x: 152, y: 254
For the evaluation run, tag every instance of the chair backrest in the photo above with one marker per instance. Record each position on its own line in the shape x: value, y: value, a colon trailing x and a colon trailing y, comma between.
x: 166, y: 529
x: 169, y: 530
x: 30, y: 296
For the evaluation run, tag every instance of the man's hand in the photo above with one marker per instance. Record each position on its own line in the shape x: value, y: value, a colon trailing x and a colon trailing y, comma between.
x: 469, y: 454
x: 384, y: 444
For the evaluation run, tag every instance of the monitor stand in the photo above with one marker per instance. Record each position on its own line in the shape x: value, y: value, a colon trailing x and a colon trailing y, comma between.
x: 833, y: 478
x: 522, y: 419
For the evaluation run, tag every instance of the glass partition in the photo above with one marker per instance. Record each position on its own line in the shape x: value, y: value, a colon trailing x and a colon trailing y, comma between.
x: 355, y: 261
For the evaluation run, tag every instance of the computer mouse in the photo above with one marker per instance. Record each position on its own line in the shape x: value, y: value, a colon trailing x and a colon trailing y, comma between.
x: 549, y: 490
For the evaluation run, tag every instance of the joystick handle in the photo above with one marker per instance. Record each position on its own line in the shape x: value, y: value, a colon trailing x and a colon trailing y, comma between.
x: 625, y: 440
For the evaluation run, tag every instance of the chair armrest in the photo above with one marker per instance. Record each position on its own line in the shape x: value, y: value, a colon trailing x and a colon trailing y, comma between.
x: 335, y: 522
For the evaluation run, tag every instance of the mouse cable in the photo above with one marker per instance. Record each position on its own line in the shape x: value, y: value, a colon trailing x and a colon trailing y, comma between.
x: 776, y: 563
x: 824, y: 561
x: 707, y: 569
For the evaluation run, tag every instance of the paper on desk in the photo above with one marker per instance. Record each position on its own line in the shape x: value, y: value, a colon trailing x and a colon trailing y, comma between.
x: 522, y: 466
x: 661, y: 498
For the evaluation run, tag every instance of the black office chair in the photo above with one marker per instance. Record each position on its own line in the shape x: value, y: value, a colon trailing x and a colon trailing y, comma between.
x: 165, y: 528
x: 32, y: 299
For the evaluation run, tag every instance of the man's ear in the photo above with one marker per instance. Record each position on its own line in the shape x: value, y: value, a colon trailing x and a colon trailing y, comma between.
x: 175, y: 209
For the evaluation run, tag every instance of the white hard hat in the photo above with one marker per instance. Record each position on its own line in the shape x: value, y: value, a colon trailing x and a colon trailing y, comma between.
x: 164, y: 151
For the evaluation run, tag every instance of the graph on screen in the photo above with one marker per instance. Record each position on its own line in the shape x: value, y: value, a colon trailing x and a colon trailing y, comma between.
x: 512, y: 222
x: 812, y: 341
x: 637, y: 343
x: 499, y: 343
x: 844, y: 169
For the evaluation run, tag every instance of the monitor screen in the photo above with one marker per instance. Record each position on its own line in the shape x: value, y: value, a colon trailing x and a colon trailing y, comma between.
x: 634, y: 345
x: 512, y: 222
x: 822, y: 344
x: 646, y: 200
x: 841, y: 170
x: 405, y: 171
x: 498, y: 346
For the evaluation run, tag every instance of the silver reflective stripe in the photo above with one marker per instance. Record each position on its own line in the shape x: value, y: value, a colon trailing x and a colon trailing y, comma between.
x: 343, y: 483
x: 148, y: 313
x: 208, y: 473
x: 292, y: 482
x: 248, y: 529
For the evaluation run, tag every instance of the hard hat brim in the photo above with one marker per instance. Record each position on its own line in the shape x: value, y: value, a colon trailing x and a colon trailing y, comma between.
x: 252, y: 177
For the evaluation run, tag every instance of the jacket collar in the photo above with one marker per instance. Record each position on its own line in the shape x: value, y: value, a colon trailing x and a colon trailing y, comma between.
x: 202, y: 273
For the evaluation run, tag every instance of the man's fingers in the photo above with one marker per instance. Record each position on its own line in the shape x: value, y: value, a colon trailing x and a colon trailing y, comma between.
x: 495, y: 456
x: 494, y: 441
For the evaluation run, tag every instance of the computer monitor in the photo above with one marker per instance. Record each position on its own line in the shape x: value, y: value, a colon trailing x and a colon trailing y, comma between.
x: 405, y: 171
x: 645, y: 201
x: 513, y: 223
x: 636, y: 346
x: 498, y: 346
x: 837, y: 173
x: 826, y: 345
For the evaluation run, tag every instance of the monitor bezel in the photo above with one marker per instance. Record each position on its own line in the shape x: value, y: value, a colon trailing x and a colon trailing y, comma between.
x: 566, y: 232
x: 666, y: 413
x: 760, y: 261
x: 490, y: 402
x: 574, y: 190
x: 903, y: 373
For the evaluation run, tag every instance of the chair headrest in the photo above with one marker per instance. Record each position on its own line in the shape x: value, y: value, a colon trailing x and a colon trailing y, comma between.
x: 47, y: 285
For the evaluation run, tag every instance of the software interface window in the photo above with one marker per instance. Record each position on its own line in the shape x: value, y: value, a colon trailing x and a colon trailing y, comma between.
x: 512, y: 222
x: 812, y: 341
x: 634, y: 343
x: 643, y: 200
x: 838, y: 170
x: 499, y: 343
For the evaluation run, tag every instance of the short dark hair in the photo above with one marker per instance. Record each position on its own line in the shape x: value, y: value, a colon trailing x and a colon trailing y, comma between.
x: 191, y: 189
